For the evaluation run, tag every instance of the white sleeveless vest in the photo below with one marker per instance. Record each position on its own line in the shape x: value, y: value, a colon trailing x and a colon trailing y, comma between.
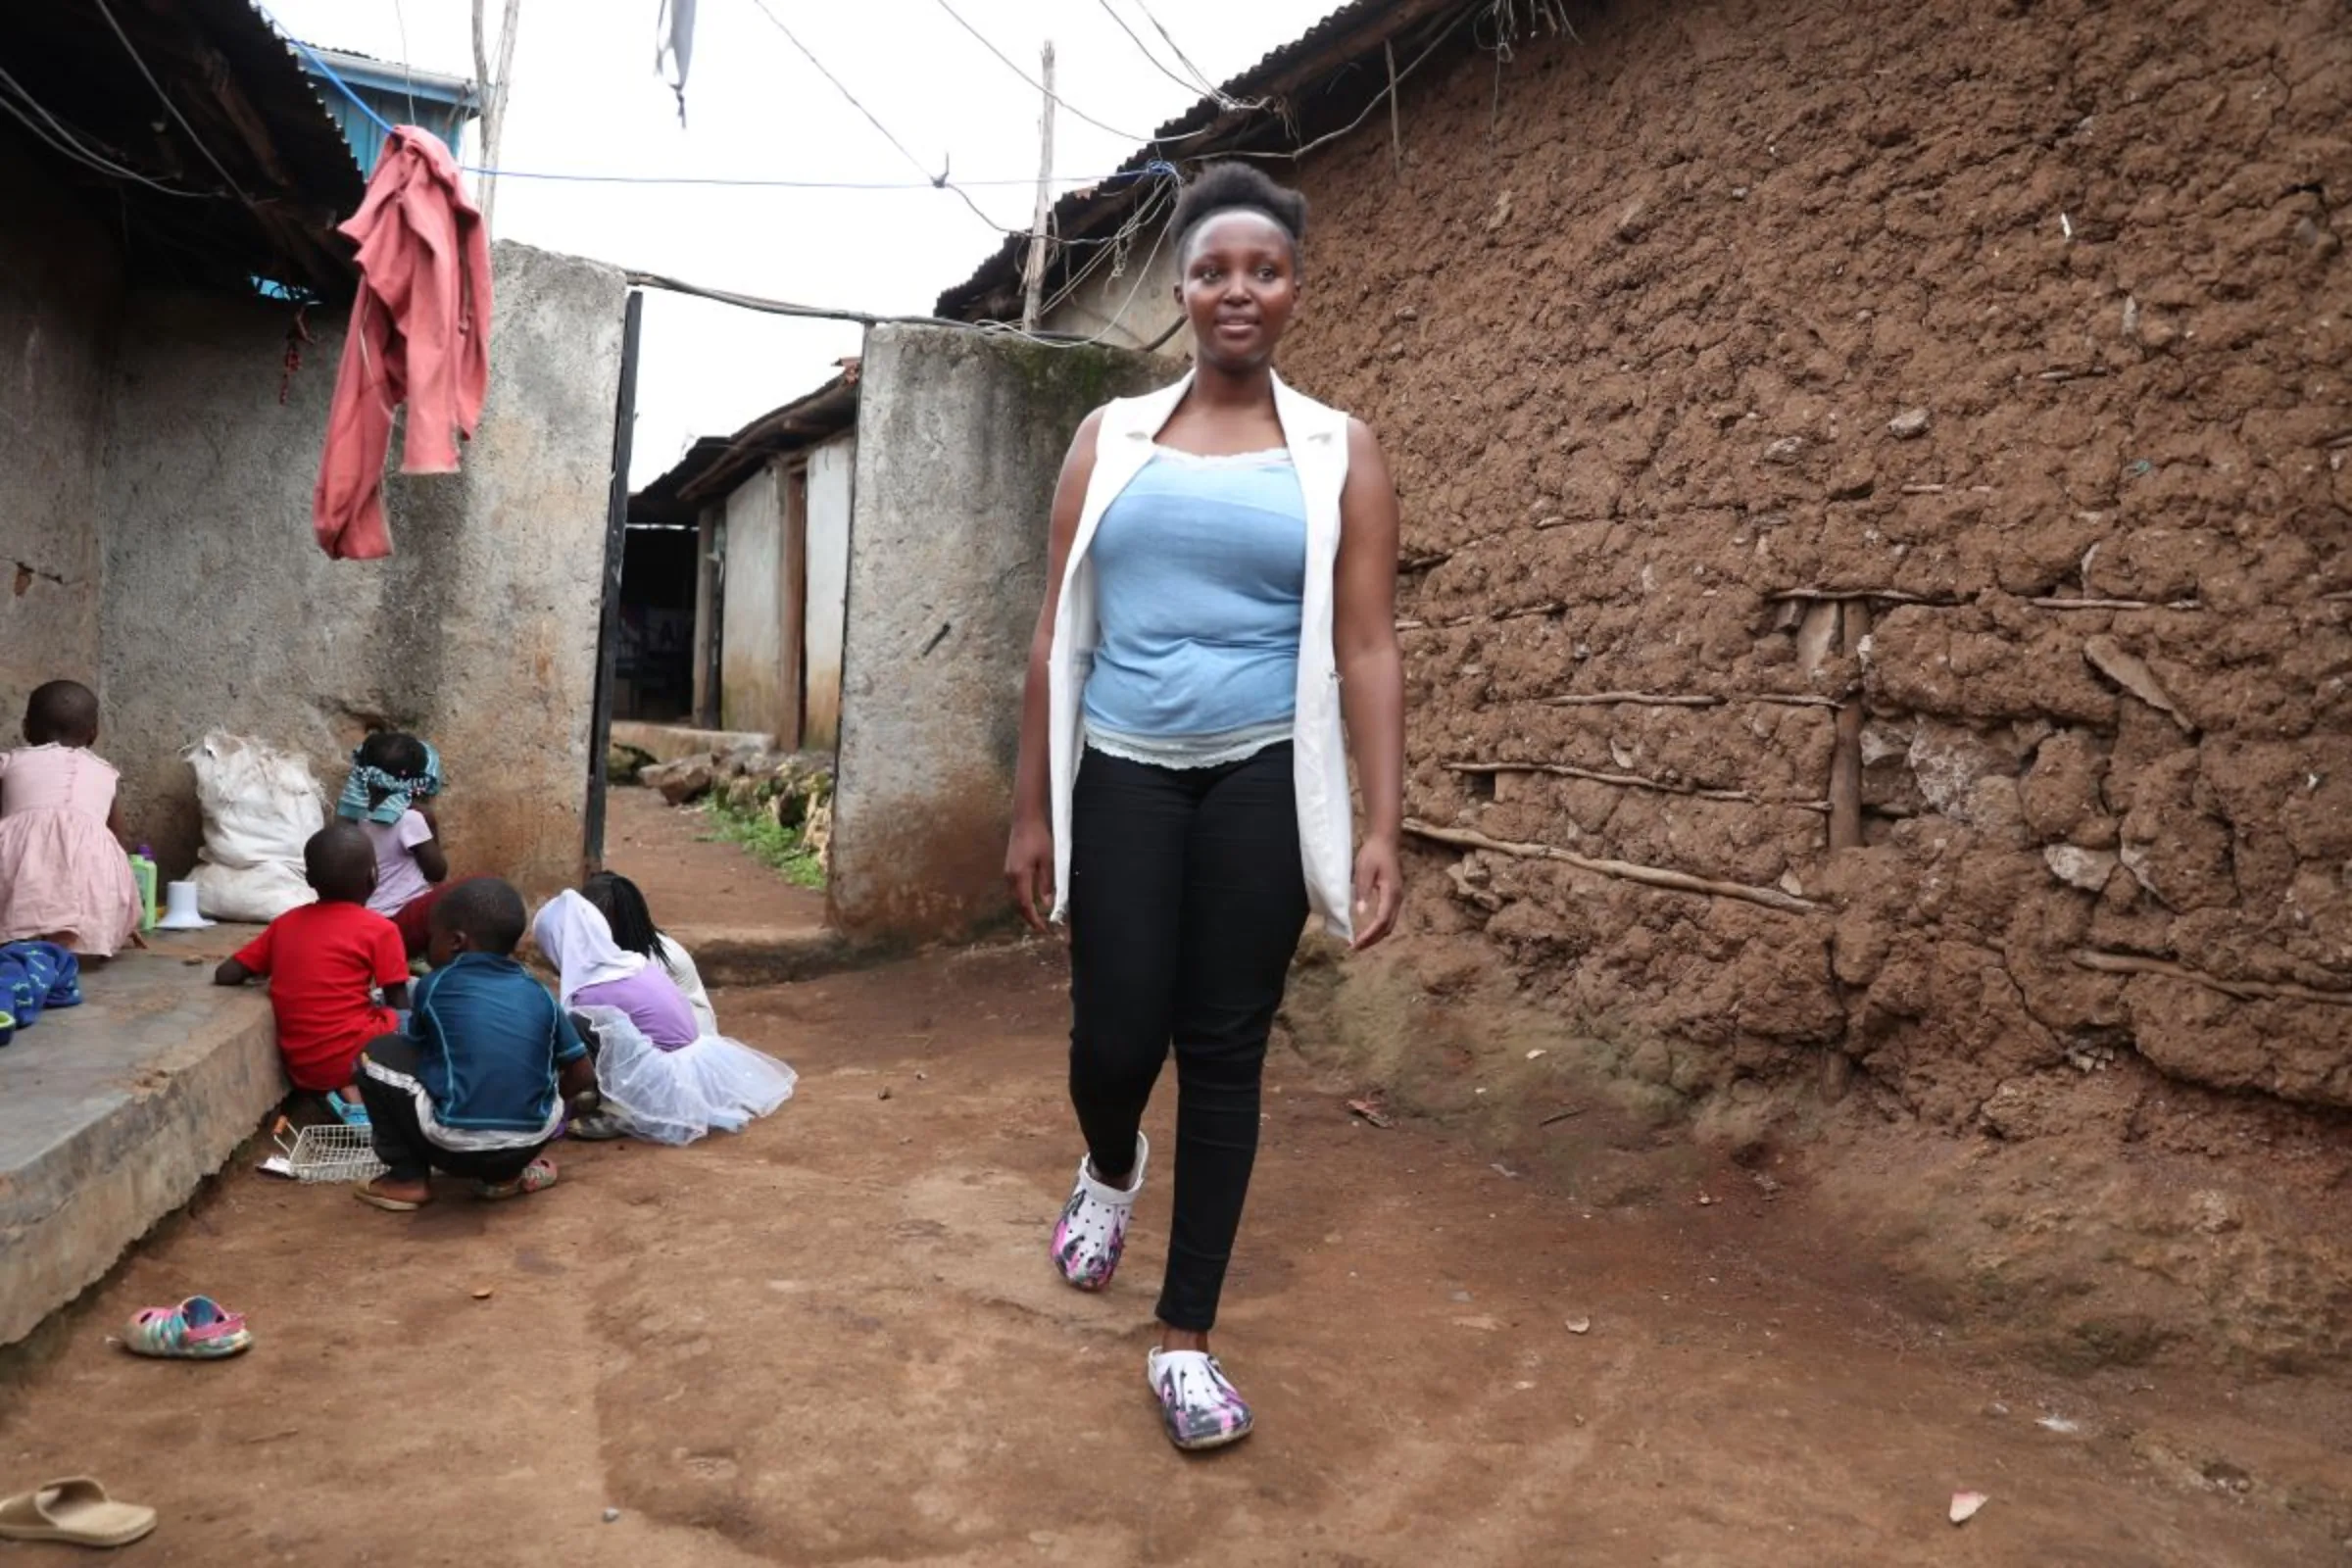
x: 1317, y: 437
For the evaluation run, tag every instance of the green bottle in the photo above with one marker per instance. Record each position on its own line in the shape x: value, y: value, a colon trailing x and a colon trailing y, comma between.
x: 142, y: 867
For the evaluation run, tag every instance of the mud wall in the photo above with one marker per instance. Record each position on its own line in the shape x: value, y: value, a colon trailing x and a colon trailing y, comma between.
x: 960, y: 438
x: 1939, y: 408
x: 479, y: 632
x: 60, y: 287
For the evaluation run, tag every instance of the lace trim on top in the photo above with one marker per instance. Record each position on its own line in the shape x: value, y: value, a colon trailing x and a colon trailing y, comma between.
x: 1189, y: 750
x: 1270, y: 457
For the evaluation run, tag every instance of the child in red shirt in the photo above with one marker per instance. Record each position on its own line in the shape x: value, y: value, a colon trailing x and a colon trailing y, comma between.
x: 324, y: 962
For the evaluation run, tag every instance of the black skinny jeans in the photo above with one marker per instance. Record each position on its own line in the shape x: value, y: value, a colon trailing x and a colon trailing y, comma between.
x: 1186, y: 905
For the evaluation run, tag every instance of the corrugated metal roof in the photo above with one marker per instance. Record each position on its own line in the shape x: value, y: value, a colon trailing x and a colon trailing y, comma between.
x: 367, y: 139
x: 709, y: 468
x: 1311, y: 88
x: 395, y: 94
x: 250, y: 106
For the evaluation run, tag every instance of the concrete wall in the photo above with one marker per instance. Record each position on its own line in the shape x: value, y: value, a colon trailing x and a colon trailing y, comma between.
x: 60, y: 296
x: 1133, y: 308
x: 959, y: 440
x: 831, y: 469
x: 752, y: 691
x: 479, y: 632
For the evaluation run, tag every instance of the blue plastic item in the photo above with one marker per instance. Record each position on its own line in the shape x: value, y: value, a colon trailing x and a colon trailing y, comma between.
x: 35, y: 976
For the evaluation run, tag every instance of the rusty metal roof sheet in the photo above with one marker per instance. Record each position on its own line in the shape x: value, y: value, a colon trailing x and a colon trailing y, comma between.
x: 714, y: 465
x: 248, y: 104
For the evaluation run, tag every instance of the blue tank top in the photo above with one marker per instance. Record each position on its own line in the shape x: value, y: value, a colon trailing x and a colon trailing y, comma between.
x: 1200, y: 567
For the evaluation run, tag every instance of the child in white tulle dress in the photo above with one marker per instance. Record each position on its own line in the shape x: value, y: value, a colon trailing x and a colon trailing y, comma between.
x: 661, y: 1075
x: 64, y: 875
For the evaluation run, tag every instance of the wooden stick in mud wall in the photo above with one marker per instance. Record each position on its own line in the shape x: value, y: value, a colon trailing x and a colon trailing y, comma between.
x: 1624, y: 870
x: 1668, y: 700
x: 1846, y: 756
x: 1634, y: 781
x: 2242, y: 990
x: 1891, y: 596
x: 1632, y: 699
x: 1553, y: 608
x: 2113, y: 604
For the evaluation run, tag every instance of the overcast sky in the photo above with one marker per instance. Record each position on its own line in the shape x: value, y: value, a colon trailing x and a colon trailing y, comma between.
x: 587, y: 100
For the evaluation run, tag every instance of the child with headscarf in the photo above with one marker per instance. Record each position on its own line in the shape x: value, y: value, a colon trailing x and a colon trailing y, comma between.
x: 389, y: 794
x: 660, y: 1076
x: 623, y: 903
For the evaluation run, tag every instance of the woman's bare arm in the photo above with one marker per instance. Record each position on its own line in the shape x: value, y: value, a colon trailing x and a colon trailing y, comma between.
x: 1029, y: 857
x: 1371, y: 676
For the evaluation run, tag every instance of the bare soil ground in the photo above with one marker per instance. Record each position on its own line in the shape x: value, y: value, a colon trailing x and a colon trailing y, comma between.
x: 835, y: 1340
x: 690, y: 877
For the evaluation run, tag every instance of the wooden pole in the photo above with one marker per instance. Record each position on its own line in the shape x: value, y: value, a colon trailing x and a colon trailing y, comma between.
x: 1846, y: 756
x: 1625, y: 870
x: 1032, y: 303
x: 492, y: 86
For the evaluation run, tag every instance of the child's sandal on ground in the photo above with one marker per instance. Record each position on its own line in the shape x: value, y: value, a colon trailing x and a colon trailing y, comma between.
x: 196, y: 1329
x: 375, y: 1197
x: 537, y: 1177
x: 76, y: 1511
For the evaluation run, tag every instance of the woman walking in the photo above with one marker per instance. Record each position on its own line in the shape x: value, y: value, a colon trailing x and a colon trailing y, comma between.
x: 1219, y: 626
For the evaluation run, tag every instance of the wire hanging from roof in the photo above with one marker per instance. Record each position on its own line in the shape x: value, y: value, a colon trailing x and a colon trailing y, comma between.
x: 65, y: 140
x: 1038, y: 86
x: 1225, y: 100
x: 171, y: 108
x: 941, y: 179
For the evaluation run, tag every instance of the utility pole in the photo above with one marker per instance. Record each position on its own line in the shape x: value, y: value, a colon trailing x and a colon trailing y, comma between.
x: 1036, y: 269
x: 493, y: 91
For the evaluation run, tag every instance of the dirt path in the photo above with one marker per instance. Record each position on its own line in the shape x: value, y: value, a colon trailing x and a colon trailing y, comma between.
x: 691, y: 879
x: 835, y: 1340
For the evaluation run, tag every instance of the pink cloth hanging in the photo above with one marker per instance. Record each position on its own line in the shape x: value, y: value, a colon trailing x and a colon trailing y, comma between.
x: 419, y: 334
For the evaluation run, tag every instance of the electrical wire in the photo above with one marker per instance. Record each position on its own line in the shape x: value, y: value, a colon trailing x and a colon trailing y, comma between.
x: 1434, y: 44
x: 1224, y: 99
x: 927, y: 183
x: 326, y: 71
x: 65, y: 140
x: 399, y: 19
x: 1054, y: 341
x: 131, y: 49
x: 1144, y: 50
x: 827, y: 313
x: 1038, y: 86
x: 941, y: 181
x: 1154, y: 206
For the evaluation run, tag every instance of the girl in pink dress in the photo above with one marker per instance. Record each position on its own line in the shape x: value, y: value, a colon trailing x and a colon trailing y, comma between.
x: 64, y: 877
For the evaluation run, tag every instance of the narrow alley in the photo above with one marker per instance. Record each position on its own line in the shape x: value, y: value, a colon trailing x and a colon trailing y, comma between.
x: 836, y: 1339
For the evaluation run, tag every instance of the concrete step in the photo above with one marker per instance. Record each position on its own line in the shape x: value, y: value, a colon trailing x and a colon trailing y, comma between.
x: 769, y: 956
x: 112, y: 1112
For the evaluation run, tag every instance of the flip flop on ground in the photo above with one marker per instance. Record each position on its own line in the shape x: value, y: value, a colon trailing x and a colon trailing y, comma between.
x: 76, y: 1511
x: 375, y: 1196
x: 198, y: 1329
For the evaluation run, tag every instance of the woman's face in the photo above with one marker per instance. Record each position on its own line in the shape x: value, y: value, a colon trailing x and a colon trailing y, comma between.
x: 1240, y: 286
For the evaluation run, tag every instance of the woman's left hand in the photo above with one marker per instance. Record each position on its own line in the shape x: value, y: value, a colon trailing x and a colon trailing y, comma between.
x: 1379, y: 891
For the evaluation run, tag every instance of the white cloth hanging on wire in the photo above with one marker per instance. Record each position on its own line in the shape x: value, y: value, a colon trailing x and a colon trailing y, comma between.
x: 673, y: 48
